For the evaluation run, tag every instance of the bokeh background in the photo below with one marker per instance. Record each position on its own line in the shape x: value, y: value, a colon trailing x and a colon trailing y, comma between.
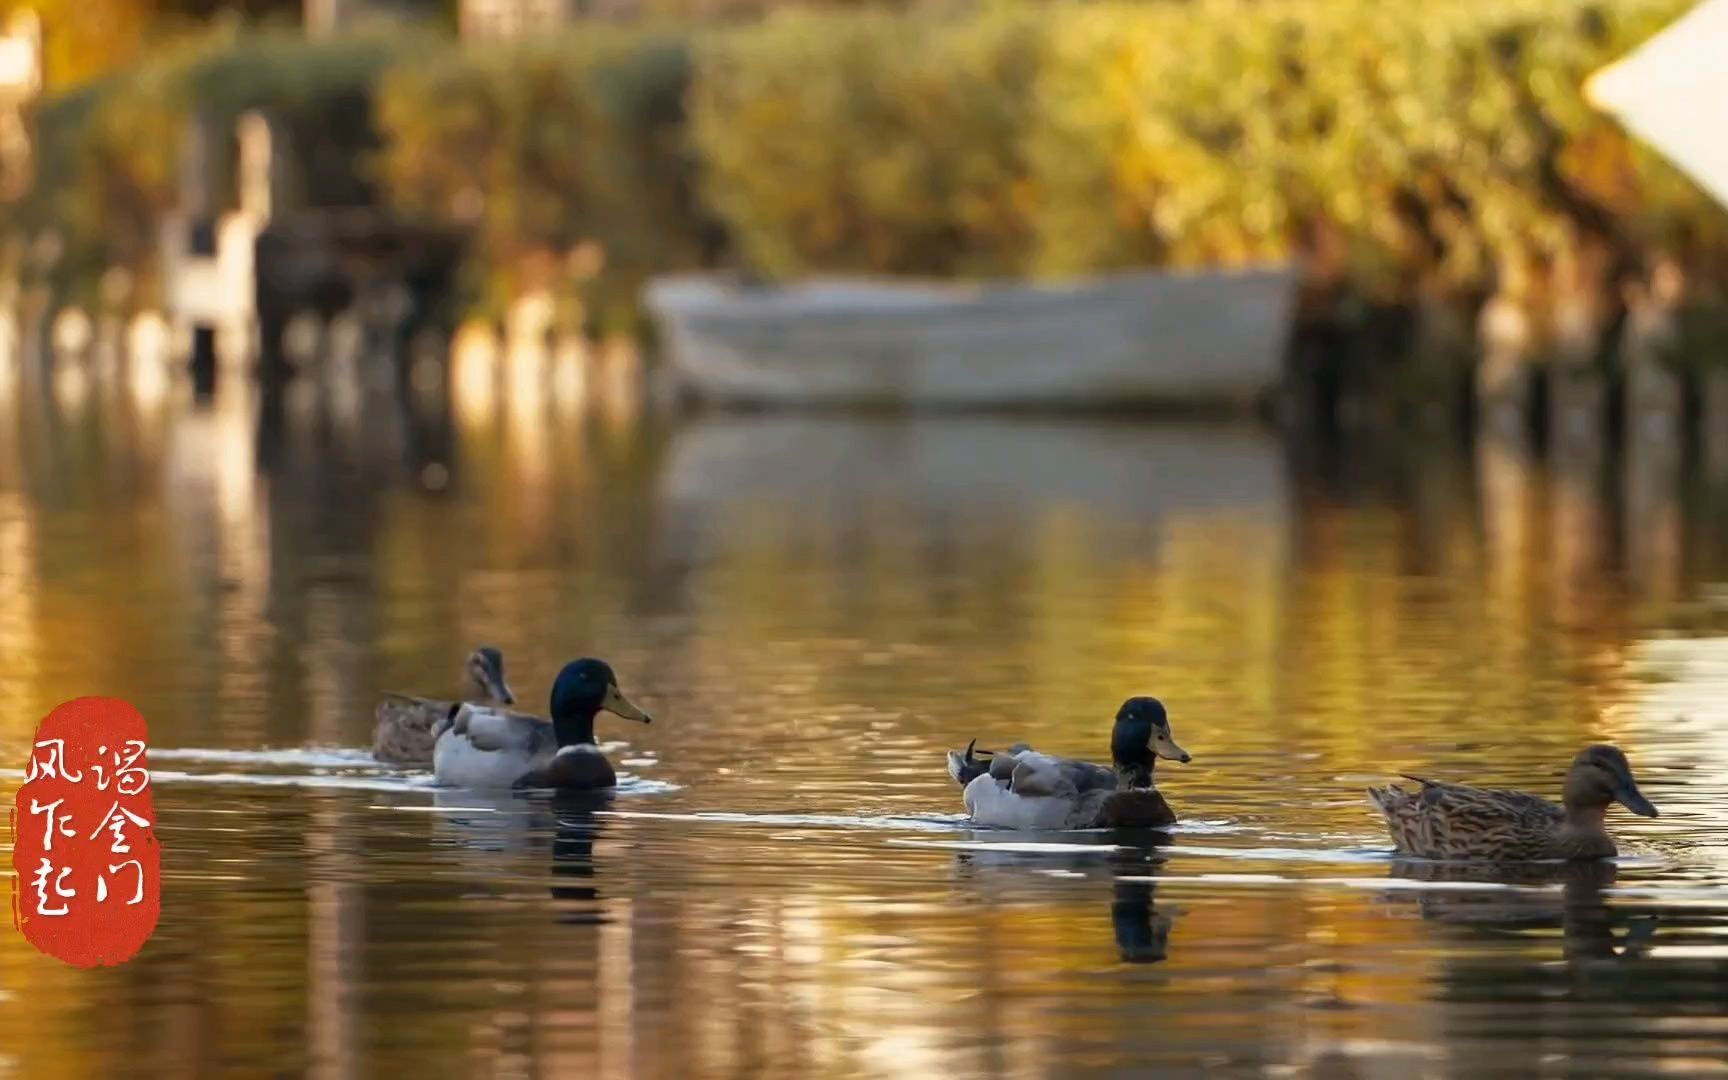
x: 1482, y: 522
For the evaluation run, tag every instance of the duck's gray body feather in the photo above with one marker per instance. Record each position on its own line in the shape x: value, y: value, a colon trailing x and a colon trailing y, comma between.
x: 480, y: 747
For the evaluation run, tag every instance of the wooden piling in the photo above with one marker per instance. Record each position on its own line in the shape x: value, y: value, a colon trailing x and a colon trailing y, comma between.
x: 1713, y: 420
x: 1655, y: 392
x: 1505, y: 373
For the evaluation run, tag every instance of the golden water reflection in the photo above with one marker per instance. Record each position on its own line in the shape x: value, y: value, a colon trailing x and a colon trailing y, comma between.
x: 817, y: 608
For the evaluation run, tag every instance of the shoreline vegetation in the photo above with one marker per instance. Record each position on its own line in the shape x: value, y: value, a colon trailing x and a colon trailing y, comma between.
x: 1461, y: 214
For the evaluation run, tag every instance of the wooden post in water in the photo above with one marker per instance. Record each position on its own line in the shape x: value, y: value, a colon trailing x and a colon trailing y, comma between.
x: 193, y: 178
x: 1654, y: 406
x: 189, y: 233
x: 209, y: 257
x: 1650, y: 479
x: 1505, y: 375
x: 258, y: 180
x: 1577, y: 386
x: 1577, y: 423
x: 33, y: 303
x: 1444, y: 344
x: 1713, y: 420
x: 203, y: 362
x: 258, y: 176
x: 325, y: 17
x: 1655, y: 394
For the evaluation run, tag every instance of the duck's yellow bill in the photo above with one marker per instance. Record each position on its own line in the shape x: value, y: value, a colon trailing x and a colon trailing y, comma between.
x: 618, y: 705
x: 1165, y: 747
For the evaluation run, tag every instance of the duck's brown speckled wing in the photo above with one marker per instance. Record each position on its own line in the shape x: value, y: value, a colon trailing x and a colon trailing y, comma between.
x: 403, y: 733
x: 1443, y: 820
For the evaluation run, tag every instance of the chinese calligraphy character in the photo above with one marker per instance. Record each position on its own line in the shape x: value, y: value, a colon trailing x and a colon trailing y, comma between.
x: 56, y: 823
x: 115, y: 821
x: 60, y: 889
x: 132, y: 778
x: 53, y: 765
x: 72, y: 898
x: 102, y: 882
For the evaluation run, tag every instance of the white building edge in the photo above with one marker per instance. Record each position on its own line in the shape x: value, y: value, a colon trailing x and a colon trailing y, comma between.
x: 1672, y: 93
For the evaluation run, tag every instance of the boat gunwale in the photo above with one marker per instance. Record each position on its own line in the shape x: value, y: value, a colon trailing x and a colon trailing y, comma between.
x: 711, y: 297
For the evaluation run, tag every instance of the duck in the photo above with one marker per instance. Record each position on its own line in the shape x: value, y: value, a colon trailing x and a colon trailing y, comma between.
x: 1020, y: 788
x: 403, y: 734
x: 478, y: 746
x: 1457, y: 821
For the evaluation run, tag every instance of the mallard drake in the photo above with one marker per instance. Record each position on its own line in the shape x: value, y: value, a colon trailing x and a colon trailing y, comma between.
x: 1456, y: 821
x: 403, y: 735
x: 1020, y: 788
x: 481, y: 747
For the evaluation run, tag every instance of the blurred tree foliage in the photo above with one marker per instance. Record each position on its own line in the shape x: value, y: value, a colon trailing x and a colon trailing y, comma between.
x: 1439, y: 139
x: 1409, y: 151
x: 109, y: 152
x: 85, y: 39
x: 559, y: 150
x: 876, y: 141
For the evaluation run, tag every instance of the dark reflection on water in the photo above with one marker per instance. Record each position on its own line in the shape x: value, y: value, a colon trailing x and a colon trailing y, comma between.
x: 573, y: 877
x: 1142, y: 931
x: 817, y: 609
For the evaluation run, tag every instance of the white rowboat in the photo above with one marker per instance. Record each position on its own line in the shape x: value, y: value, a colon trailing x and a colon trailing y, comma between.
x: 1126, y: 339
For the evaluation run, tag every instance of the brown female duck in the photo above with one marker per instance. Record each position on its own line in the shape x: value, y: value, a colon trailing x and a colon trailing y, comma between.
x: 1456, y: 821
x: 403, y: 735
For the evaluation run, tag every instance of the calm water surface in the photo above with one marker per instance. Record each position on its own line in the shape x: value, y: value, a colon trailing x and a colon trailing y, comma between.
x: 816, y: 609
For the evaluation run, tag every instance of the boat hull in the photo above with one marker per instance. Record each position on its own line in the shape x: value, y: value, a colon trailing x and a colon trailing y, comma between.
x: 1147, y: 338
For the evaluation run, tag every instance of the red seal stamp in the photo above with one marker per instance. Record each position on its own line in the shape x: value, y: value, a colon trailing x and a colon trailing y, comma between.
x: 87, y: 887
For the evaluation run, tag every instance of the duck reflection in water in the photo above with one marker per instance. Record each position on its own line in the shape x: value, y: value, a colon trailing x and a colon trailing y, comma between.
x: 578, y: 819
x: 1011, y: 875
x: 1142, y: 931
x: 1522, y: 896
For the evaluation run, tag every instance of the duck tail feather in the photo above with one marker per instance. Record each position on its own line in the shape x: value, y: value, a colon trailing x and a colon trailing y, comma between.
x: 1389, y: 799
x: 965, y: 768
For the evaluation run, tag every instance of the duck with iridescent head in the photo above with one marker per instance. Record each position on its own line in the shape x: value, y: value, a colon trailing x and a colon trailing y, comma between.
x: 1020, y: 788
x: 482, y: 747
